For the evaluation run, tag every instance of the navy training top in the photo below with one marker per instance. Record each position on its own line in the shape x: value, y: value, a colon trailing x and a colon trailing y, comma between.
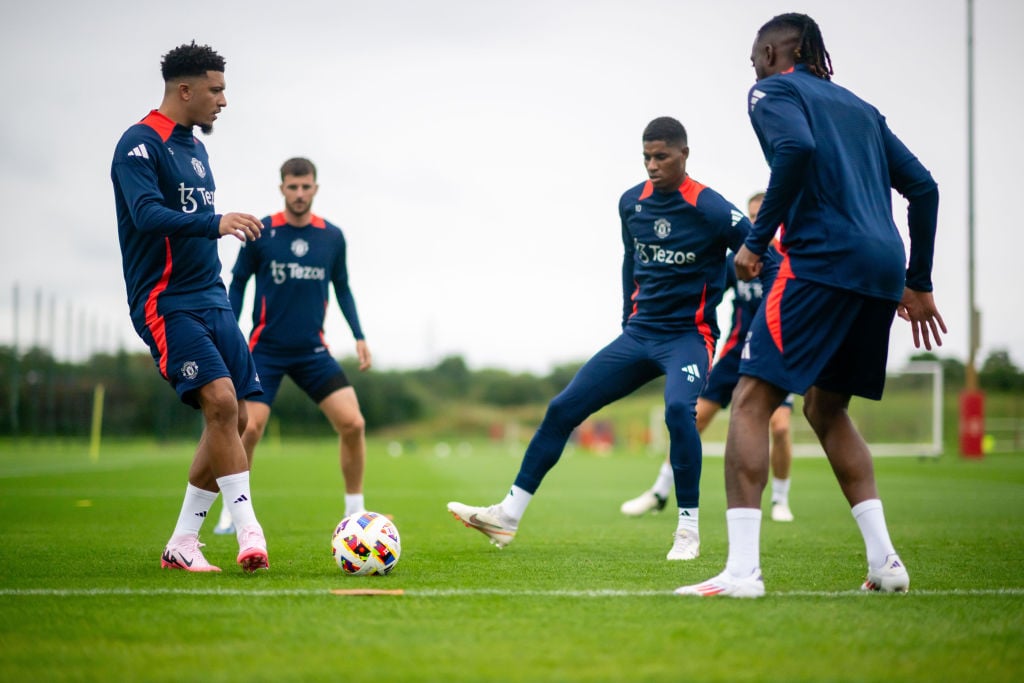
x: 673, y: 266
x: 833, y: 161
x: 293, y: 266
x: 166, y: 224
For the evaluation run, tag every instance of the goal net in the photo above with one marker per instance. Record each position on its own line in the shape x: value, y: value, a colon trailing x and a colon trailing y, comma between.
x: 907, y: 421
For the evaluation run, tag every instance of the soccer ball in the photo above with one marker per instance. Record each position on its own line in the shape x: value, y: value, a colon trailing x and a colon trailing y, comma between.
x: 366, y: 543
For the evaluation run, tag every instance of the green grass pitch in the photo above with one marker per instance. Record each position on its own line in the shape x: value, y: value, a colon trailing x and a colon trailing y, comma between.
x: 583, y: 594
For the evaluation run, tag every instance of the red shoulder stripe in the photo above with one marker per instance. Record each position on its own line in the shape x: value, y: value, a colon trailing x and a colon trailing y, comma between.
x: 691, y: 189
x: 647, y: 191
x: 160, y: 123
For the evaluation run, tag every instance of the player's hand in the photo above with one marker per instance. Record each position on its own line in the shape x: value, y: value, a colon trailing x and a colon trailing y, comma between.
x: 242, y: 226
x: 918, y: 308
x: 748, y: 264
x: 365, y: 358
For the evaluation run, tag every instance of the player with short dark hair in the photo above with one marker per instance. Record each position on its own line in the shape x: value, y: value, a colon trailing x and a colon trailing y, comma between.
x: 747, y: 297
x: 824, y: 329
x: 675, y: 236
x: 299, y: 255
x: 168, y: 231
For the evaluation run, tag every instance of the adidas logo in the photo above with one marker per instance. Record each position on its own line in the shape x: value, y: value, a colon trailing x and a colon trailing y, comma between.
x: 692, y: 372
x: 242, y: 498
x: 200, y: 514
x: 139, y: 151
x: 755, y: 97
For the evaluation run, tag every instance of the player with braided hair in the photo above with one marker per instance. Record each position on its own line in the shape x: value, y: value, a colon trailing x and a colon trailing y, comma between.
x: 799, y: 35
x: 823, y: 330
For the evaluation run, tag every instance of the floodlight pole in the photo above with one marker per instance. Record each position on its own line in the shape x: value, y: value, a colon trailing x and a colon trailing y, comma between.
x: 972, y: 400
x: 972, y: 310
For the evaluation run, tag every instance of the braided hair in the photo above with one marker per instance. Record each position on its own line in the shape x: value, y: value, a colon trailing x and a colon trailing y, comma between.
x: 810, y: 46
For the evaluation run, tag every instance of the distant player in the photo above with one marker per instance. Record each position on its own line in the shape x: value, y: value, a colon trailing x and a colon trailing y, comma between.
x: 824, y: 328
x: 718, y: 393
x: 299, y: 256
x: 163, y: 190
x: 675, y: 236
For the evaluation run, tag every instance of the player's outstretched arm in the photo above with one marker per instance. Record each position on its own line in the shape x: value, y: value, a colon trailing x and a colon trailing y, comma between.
x: 918, y: 308
x: 242, y: 226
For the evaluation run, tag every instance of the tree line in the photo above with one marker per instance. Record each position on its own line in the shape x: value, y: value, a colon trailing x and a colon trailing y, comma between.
x: 43, y: 396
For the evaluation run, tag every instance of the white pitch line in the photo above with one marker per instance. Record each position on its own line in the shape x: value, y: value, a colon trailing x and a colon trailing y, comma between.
x: 465, y: 592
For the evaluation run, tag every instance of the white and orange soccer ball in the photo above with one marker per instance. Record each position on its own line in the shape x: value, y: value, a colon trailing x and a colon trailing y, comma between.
x: 366, y: 543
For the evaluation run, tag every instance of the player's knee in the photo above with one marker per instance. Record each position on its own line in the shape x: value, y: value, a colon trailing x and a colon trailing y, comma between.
x: 779, y: 428
x: 219, y: 404
x: 349, y: 426
x: 821, y: 410
x: 679, y: 414
x: 561, y: 412
x: 255, y: 427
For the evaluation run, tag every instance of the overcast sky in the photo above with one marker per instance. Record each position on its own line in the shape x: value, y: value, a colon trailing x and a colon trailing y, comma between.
x: 474, y: 152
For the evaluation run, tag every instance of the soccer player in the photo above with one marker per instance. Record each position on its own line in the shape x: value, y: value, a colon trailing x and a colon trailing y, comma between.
x: 824, y: 329
x: 717, y: 394
x: 299, y: 255
x: 164, y: 190
x: 675, y: 236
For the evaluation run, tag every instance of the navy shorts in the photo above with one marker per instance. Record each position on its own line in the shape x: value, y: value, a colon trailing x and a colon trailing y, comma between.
x: 725, y: 375
x: 193, y: 348
x: 316, y: 373
x: 807, y: 334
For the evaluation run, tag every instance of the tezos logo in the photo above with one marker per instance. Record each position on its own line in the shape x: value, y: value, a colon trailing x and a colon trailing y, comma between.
x: 197, y: 166
x: 662, y: 228
x: 300, y: 248
x: 190, y: 370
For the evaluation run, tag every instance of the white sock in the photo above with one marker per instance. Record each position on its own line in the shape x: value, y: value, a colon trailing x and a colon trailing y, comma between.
x: 194, y: 509
x: 663, y: 484
x: 235, y: 489
x: 780, y: 491
x: 871, y: 521
x: 354, y: 503
x: 688, y: 521
x: 515, y: 503
x: 744, y: 526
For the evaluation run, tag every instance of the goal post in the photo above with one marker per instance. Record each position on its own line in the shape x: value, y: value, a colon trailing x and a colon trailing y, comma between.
x: 906, y: 422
